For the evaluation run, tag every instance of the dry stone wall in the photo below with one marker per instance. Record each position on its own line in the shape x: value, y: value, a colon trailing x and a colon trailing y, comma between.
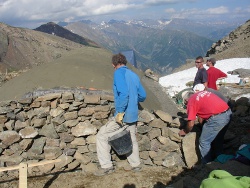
x: 64, y: 125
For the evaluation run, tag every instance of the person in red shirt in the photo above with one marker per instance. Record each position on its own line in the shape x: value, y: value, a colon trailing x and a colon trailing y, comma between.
x: 213, y: 74
x: 214, y: 112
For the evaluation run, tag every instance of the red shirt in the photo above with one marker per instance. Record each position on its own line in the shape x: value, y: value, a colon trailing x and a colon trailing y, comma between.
x: 205, y: 104
x: 213, y: 75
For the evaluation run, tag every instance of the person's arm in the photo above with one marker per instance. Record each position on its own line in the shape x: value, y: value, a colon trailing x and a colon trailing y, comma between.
x: 204, y: 78
x: 205, y: 84
x: 122, y: 92
x: 222, y: 75
x: 200, y: 120
x: 141, y: 93
x: 187, y: 129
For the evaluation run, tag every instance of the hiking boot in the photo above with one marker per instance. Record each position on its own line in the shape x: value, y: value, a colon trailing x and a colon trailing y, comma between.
x: 137, y: 169
x: 104, y: 171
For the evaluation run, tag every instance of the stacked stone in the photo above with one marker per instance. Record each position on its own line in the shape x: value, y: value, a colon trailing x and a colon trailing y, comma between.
x: 64, y: 126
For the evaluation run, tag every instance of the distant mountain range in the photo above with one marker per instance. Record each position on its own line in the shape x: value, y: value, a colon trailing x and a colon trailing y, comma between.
x: 161, y: 45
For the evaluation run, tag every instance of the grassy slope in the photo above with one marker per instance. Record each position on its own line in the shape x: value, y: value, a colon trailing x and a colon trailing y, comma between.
x: 86, y: 67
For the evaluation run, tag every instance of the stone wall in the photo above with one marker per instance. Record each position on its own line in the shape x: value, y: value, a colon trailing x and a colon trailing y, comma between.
x: 64, y: 125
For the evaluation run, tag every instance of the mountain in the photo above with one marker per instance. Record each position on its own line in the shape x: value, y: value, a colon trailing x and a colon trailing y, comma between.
x: 159, y: 49
x: 236, y: 44
x: 211, y: 30
x: 22, y: 48
x: 54, y: 29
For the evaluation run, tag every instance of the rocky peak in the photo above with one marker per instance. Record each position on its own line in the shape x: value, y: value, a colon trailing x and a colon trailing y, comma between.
x: 237, y: 43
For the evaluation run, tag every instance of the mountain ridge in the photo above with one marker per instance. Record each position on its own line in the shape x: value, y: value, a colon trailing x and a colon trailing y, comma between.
x: 161, y: 50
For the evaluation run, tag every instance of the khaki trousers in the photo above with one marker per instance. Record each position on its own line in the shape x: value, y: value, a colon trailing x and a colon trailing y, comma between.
x: 103, y: 148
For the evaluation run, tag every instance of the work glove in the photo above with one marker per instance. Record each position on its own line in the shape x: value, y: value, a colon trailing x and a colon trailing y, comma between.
x: 119, y: 117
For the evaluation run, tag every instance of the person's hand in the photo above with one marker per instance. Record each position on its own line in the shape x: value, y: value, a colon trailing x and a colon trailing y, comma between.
x: 182, y: 132
x: 119, y: 118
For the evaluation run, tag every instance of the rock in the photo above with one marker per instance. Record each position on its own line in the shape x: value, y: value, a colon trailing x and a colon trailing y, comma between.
x: 56, y: 112
x: 145, y: 116
x: 51, y: 153
x: 173, y: 159
x: 158, y: 123
x: 83, y: 129
x: 92, y: 99
x: 173, y: 134
x: 65, y: 160
x: 9, y: 137
x: 143, y: 129
x: 84, y: 159
x: 164, y: 116
x: 70, y: 115
x: 37, y: 146
x: 48, y: 131
x: 28, y: 132
x: 190, y: 148
x: 48, y: 97
x: 175, y: 123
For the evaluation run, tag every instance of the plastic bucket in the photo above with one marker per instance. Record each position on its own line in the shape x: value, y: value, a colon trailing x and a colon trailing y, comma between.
x: 121, y: 142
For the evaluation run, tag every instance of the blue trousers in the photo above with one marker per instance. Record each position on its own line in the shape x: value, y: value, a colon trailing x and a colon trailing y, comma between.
x: 213, y: 131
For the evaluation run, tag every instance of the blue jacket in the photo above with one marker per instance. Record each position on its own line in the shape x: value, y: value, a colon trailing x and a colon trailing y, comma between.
x: 128, y: 92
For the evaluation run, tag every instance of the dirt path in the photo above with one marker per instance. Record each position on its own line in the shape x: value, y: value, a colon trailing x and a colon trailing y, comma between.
x: 157, y: 177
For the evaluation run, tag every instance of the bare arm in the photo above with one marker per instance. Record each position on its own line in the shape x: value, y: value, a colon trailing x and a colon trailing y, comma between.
x: 205, y: 84
x: 200, y: 120
x: 188, y: 128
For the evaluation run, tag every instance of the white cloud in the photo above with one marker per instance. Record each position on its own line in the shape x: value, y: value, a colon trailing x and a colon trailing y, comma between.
x: 16, y: 12
x: 218, y: 10
x: 160, y: 2
x: 111, y: 8
x: 170, y: 10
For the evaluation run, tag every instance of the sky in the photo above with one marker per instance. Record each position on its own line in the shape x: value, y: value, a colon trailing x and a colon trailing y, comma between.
x: 33, y: 13
x: 176, y: 82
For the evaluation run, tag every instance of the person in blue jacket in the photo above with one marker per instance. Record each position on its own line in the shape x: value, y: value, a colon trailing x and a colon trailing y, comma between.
x: 128, y: 92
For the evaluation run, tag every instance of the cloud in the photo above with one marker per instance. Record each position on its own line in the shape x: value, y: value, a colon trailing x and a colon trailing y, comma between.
x: 170, y: 10
x: 112, y: 8
x: 18, y: 12
x: 218, y: 10
x: 161, y: 2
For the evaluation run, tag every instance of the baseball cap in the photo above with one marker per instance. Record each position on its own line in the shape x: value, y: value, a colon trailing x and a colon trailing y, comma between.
x: 186, y: 95
x: 199, y: 87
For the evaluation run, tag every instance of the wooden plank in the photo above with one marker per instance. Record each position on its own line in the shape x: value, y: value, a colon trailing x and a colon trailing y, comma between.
x: 23, y: 175
x: 44, y: 162
x: 23, y: 170
x: 2, y: 169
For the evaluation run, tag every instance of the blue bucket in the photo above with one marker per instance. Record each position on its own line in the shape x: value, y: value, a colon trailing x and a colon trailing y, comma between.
x: 121, y: 142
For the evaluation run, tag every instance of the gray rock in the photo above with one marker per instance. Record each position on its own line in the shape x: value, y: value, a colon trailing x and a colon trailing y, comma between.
x: 9, y: 137
x: 28, y: 132
x: 145, y: 116
x: 190, y: 148
x: 48, y: 131
x: 83, y: 129
x: 164, y: 116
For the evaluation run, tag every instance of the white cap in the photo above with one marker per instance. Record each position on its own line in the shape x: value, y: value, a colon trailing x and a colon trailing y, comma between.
x: 199, y: 87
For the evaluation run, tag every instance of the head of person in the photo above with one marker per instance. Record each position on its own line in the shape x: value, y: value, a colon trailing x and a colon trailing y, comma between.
x: 186, y: 96
x: 211, y: 62
x: 198, y: 87
x: 199, y: 62
x: 118, y: 60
